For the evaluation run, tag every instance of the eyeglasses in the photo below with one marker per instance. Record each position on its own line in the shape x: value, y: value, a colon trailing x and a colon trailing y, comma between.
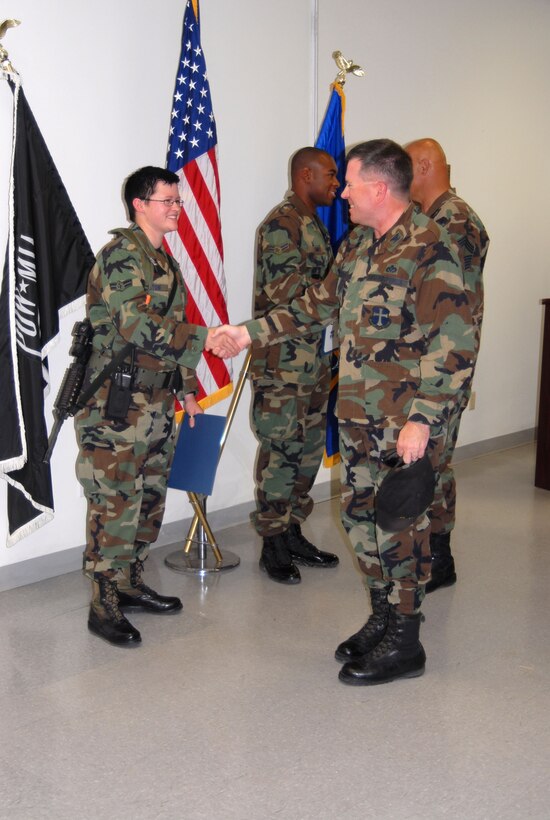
x: 166, y: 202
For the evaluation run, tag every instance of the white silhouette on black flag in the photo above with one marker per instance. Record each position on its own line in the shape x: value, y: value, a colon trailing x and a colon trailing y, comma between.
x: 48, y: 259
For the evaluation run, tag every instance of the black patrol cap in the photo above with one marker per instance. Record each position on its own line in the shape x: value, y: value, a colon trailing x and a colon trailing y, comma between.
x: 405, y: 493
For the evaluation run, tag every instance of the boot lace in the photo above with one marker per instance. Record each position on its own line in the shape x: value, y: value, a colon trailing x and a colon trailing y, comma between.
x: 109, y: 599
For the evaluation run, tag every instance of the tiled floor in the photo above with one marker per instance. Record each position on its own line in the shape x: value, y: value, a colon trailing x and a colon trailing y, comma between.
x: 232, y: 710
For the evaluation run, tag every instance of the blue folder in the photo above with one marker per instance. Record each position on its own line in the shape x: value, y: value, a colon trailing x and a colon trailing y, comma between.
x: 197, y: 454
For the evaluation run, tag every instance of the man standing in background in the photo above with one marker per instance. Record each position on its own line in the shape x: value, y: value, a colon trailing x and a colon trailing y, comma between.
x: 291, y: 379
x: 432, y: 190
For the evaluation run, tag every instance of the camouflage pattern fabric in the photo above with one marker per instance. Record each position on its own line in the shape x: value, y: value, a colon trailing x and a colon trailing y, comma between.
x: 403, y: 321
x: 123, y: 468
x: 129, y: 290
x: 293, y: 251
x: 290, y: 424
x: 400, y: 562
x: 469, y: 239
x: 406, y: 344
x: 290, y: 380
x: 135, y: 294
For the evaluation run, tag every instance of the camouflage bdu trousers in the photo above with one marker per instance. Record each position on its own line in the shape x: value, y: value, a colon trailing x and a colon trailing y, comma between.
x: 289, y: 422
x: 123, y: 468
x: 400, y: 561
x: 443, y: 510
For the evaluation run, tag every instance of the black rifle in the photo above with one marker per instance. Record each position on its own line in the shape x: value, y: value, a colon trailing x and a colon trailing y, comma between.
x: 66, y: 403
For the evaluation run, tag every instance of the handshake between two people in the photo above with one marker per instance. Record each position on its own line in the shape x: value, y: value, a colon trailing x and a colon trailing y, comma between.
x: 226, y: 341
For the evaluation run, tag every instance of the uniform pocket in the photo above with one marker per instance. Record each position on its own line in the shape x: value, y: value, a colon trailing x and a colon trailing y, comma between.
x: 274, y: 414
x: 316, y: 267
x: 160, y: 294
x: 382, y: 312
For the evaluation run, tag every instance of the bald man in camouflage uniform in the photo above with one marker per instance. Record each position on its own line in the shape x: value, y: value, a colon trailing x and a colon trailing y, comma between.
x: 431, y: 189
x: 406, y: 346
x: 291, y: 380
x: 136, y: 298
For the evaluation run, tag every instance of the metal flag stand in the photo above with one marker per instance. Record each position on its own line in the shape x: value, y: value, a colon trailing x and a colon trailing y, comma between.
x: 203, y: 561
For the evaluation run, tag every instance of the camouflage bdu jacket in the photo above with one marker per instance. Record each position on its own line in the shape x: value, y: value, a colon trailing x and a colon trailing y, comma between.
x: 136, y: 294
x: 470, y: 240
x: 293, y: 252
x: 404, y: 324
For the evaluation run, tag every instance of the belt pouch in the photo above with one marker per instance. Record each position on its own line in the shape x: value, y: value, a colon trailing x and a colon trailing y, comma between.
x: 120, y: 395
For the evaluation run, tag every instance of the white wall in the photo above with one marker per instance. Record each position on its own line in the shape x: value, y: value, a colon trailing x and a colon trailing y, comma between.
x: 99, y: 78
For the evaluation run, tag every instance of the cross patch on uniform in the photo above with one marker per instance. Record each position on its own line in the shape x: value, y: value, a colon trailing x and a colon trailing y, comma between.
x: 380, y: 317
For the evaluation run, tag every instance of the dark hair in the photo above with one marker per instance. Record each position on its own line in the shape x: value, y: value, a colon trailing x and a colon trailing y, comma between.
x: 388, y: 159
x: 304, y: 157
x: 141, y: 184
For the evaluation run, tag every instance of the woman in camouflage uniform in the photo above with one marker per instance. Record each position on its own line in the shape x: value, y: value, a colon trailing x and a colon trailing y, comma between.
x: 136, y: 304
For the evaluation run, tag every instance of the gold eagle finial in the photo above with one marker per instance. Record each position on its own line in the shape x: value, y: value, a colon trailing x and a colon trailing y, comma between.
x: 5, y: 64
x: 345, y: 67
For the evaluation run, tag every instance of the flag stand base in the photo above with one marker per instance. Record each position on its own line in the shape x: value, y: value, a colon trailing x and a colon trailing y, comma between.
x: 202, y: 560
x: 199, y: 563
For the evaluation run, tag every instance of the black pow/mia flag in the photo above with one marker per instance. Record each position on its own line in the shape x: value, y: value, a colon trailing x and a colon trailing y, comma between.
x: 48, y: 259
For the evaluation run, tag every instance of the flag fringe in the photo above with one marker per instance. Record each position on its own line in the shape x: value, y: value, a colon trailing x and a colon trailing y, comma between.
x: 19, y: 461
x: 45, y: 517
x: 11, y: 464
x: 331, y: 461
x: 29, y: 528
x: 209, y: 401
x: 64, y: 311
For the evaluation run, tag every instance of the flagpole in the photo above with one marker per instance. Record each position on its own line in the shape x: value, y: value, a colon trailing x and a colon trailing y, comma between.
x: 335, y: 217
x: 315, y: 66
x: 203, y: 562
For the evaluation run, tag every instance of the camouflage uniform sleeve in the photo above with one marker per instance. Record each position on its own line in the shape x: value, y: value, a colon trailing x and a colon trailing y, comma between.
x: 189, y: 381
x: 279, y: 276
x: 144, y: 319
x: 308, y: 313
x: 444, y: 317
x: 469, y: 238
x: 287, y: 259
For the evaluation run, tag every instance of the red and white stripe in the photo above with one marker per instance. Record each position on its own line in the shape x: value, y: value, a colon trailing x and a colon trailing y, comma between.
x: 198, y: 248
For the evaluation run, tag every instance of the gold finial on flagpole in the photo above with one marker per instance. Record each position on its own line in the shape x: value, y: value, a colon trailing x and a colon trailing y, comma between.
x: 5, y: 64
x: 345, y: 67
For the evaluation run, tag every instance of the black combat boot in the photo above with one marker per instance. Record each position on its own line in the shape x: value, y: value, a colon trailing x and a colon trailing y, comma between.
x: 304, y: 552
x: 276, y: 561
x: 398, y: 655
x: 133, y: 592
x: 106, y: 619
x: 371, y: 633
x: 443, y: 565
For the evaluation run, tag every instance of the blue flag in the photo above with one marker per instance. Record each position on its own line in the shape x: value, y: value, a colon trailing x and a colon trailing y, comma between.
x: 335, y: 217
x: 331, y: 140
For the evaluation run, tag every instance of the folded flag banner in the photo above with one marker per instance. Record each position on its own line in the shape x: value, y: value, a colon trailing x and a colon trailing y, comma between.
x: 335, y: 217
x: 197, y: 454
x: 197, y: 243
x: 331, y: 140
x: 47, y: 262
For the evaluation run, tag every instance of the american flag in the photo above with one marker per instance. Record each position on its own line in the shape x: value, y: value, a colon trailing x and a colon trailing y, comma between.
x: 197, y: 244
